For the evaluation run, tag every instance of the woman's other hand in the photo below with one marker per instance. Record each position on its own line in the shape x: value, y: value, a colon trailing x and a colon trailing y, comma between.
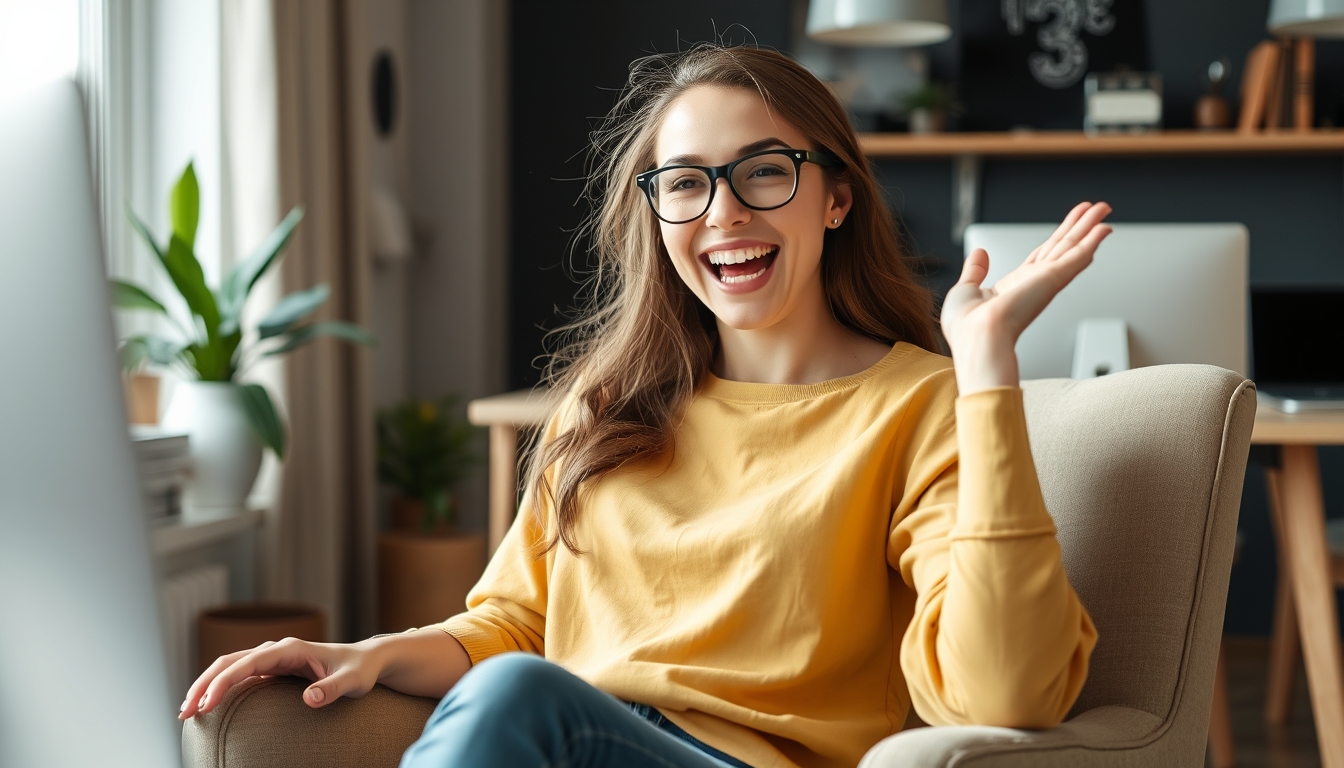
x: 335, y: 669
x: 982, y: 324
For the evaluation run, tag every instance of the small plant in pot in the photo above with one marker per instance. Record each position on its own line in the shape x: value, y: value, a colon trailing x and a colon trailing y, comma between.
x: 228, y: 422
x: 423, y: 453
x: 928, y: 107
x: 426, y: 564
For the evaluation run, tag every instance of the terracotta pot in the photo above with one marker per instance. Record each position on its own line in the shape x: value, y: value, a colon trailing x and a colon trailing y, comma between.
x: 423, y: 578
x: 142, y: 399
x: 409, y: 514
x: 241, y: 626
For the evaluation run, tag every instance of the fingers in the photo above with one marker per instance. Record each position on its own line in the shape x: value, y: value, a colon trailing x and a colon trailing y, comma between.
x: 289, y: 656
x: 191, y: 704
x: 1060, y: 231
x: 975, y: 267
x: 340, y: 683
x: 1080, y: 229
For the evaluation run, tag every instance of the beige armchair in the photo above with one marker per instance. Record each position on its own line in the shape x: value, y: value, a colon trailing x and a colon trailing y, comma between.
x: 1142, y: 472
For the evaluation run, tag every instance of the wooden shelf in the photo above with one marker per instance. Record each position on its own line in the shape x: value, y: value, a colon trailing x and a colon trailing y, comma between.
x: 175, y: 538
x: 1079, y: 144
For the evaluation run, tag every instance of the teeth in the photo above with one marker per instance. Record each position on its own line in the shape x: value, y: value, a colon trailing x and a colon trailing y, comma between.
x: 744, y: 278
x: 740, y: 255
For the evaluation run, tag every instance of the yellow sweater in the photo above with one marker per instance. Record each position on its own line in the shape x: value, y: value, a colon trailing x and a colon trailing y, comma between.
x: 808, y: 561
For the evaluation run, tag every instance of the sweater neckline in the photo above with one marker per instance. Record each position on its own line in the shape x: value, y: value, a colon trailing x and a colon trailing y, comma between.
x: 755, y: 392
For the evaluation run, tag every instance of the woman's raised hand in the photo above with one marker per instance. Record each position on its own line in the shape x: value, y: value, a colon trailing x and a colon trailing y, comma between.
x: 982, y: 324
x: 336, y: 670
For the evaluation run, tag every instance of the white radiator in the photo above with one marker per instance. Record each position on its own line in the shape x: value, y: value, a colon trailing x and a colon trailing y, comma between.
x: 181, y: 600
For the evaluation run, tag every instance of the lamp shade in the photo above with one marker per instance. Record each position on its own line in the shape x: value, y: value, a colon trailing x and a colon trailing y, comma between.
x: 1310, y: 18
x: 878, y: 22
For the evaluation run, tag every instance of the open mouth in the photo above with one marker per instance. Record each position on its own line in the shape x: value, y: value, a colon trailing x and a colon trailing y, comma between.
x: 740, y: 265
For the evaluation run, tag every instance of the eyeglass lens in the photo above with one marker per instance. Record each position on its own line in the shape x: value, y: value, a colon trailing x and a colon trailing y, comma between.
x: 682, y: 194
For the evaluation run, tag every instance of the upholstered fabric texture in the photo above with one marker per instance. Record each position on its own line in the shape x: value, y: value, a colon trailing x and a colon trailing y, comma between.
x: 1142, y: 473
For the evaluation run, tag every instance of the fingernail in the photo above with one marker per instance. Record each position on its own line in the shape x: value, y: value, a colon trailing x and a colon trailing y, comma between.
x: 182, y: 708
x: 316, y: 695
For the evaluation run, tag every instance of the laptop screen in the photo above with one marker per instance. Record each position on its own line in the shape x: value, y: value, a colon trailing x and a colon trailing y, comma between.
x: 1298, y: 335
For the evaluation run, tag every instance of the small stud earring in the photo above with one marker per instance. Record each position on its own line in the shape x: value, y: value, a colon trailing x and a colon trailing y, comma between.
x: 835, y: 222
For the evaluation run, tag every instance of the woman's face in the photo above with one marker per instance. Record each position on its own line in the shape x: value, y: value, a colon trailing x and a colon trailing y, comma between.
x: 751, y: 268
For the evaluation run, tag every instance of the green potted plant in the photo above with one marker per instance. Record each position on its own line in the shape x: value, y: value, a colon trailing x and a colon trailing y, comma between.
x: 426, y: 565
x: 423, y: 453
x: 228, y: 421
x: 928, y: 107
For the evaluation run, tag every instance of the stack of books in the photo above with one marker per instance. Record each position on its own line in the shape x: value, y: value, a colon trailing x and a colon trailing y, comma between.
x: 1278, y: 86
x: 164, y: 461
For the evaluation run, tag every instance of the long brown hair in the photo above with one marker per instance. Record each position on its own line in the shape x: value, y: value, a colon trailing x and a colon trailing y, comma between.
x: 633, y: 359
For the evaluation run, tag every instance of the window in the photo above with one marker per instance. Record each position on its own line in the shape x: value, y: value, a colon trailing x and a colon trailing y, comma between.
x: 39, y: 42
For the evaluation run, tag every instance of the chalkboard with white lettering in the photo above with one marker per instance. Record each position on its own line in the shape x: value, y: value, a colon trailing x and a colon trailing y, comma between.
x: 1023, y: 61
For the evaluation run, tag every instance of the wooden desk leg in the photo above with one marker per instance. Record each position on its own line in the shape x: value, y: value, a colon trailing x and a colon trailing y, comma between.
x: 503, y: 481
x: 1314, y: 596
x: 1285, y: 644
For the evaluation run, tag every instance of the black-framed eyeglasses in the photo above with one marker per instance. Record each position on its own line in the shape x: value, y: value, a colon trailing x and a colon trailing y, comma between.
x: 762, y: 181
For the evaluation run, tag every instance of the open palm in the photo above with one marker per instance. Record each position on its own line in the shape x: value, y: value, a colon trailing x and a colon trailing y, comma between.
x: 985, y: 322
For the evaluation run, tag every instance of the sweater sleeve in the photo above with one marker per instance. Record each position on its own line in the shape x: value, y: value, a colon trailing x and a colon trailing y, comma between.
x: 998, y: 635
x: 506, y: 610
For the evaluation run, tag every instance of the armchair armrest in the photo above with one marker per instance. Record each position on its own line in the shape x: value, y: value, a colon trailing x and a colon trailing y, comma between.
x: 264, y: 723
x: 1105, y: 736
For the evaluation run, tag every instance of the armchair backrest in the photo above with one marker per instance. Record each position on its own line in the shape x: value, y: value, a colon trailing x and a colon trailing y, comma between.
x: 1142, y: 473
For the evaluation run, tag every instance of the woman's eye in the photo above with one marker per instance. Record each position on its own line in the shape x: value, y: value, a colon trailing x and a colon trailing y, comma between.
x: 766, y: 170
x: 683, y: 184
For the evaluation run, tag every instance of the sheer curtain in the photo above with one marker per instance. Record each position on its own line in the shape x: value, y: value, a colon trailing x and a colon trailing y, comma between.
x: 283, y: 141
x: 326, y: 522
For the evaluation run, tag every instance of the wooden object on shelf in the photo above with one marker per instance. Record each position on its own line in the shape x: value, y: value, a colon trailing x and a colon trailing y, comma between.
x: 1304, y: 83
x: 423, y: 578
x: 1261, y: 65
x: 142, y: 399
x: 1079, y: 144
x: 241, y: 626
x: 1279, y: 89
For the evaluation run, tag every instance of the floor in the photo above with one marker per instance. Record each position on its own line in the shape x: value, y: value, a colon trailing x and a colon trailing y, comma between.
x: 1259, y: 744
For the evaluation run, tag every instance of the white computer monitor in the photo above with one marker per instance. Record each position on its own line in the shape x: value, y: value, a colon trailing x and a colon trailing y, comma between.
x: 1180, y: 288
x: 82, y: 674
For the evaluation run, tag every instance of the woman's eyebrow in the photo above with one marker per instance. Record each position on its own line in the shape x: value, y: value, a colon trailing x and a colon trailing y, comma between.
x: 754, y: 146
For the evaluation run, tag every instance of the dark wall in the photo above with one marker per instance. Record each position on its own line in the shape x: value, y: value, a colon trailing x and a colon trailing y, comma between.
x: 568, y: 57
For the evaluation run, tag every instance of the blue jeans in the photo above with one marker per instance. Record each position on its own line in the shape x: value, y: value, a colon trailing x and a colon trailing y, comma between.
x: 519, y: 710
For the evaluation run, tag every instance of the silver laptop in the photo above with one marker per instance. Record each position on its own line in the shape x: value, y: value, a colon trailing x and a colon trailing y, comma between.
x: 82, y: 674
x: 1298, y: 337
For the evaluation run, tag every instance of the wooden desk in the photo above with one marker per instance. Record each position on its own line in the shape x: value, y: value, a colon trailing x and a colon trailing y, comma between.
x: 1306, y: 595
x: 1295, y: 498
x: 504, y: 414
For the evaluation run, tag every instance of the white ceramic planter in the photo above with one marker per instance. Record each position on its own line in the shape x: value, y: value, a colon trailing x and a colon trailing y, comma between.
x: 225, y: 452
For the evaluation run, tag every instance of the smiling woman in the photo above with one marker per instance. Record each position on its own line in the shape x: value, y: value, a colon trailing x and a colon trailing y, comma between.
x: 767, y: 519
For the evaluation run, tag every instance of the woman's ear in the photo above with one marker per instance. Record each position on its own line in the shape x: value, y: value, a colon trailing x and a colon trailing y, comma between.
x: 841, y: 199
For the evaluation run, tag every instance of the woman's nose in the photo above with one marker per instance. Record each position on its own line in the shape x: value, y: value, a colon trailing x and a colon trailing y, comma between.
x: 725, y: 210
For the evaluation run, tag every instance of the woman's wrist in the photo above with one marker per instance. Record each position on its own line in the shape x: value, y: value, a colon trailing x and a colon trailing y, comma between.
x: 983, y: 362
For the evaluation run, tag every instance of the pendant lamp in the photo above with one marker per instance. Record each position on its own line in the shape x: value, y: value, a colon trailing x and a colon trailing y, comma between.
x: 879, y: 22
x: 1307, y: 18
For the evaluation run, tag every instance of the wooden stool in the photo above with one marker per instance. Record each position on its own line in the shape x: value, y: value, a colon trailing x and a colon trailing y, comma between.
x: 1221, y: 751
x: 1285, y: 647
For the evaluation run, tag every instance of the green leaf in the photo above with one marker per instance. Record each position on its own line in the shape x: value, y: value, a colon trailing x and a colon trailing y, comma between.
x: 143, y: 231
x: 244, y: 275
x: 263, y: 418
x: 298, y: 337
x: 130, y: 296
x: 186, y: 274
x: 184, y: 206
x: 291, y: 309
x: 156, y: 349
